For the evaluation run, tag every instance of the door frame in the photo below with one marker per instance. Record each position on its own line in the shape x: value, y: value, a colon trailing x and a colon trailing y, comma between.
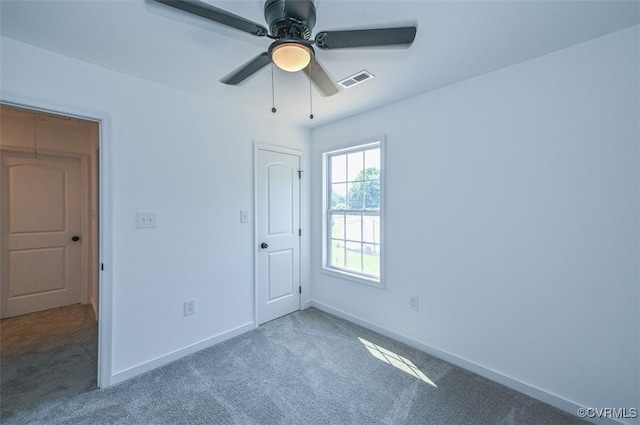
x: 85, y: 201
x: 105, y: 220
x: 256, y: 237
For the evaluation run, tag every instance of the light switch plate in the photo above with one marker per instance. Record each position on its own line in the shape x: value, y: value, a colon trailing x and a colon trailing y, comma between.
x: 414, y: 302
x: 146, y: 220
x: 244, y: 216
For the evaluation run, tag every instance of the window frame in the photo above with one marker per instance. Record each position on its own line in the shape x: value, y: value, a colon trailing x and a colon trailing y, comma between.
x: 375, y: 142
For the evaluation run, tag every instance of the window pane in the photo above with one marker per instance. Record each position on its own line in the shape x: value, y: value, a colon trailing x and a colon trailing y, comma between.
x: 354, y: 256
x: 371, y: 259
x: 336, y: 257
x: 372, y: 194
x: 355, y: 196
x: 354, y: 227
x: 372, y: 158
x: 371, y: 229
x: 337, y: 226
x: 338, y: 168
x: 355, y: 165
x: 338, y: 196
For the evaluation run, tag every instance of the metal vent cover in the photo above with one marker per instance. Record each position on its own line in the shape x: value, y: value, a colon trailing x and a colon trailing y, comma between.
x: 355, y: 79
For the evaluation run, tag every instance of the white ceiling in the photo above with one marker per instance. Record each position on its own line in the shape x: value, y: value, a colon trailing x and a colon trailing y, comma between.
x: 456, y: 40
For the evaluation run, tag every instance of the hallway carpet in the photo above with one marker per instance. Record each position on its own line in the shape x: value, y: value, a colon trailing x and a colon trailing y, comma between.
x: 305, y: 368
x: 46, y: 357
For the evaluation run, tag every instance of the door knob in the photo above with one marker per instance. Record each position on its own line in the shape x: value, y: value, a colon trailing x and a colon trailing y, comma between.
x: 264, y: 245
x: 75, y: 238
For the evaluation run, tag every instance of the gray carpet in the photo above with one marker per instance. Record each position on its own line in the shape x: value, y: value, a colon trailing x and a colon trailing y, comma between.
x: 46, y: 357
x: 305, y: 368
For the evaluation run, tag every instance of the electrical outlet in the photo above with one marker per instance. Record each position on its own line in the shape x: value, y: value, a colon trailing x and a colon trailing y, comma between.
x: 189, y: 307
x: 414, y: 302
x: 146, y: 220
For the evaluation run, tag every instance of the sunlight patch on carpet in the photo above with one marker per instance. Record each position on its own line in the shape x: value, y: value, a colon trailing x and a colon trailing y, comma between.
x: 396, y: 361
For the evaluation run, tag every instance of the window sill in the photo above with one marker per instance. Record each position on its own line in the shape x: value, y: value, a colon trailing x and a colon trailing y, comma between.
x: 352, y: 277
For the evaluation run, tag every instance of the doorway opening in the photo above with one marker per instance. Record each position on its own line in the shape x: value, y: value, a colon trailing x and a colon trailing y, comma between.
x: 49, y: 256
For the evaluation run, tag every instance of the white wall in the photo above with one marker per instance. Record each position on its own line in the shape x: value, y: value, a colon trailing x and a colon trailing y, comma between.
x: 187, y: 159
x: 513, y: 213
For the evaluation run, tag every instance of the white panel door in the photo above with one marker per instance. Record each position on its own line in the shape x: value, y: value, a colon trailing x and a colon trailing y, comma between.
x: 41, y: 213
x: 278, y: 225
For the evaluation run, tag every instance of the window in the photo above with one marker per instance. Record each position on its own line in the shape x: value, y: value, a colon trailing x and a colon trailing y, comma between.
x: 353, y: 199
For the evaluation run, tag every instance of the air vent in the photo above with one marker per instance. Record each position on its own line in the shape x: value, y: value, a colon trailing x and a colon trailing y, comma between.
x: 356, y: 79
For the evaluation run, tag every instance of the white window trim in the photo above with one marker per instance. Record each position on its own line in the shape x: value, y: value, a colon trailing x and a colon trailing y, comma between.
x: 343, y: 274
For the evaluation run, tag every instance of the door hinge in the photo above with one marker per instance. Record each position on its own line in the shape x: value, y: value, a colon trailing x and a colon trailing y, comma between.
x: 299, y: 232
x: 300, y: 173
x: 101, y: 266
x: 299, y: 289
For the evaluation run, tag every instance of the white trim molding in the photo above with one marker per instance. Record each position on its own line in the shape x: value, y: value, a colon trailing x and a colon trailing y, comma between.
x: 178, y: 354
x: 378, y: 142
x: 105, y: 297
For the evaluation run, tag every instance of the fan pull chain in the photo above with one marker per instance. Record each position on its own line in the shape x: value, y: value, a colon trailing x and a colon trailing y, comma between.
x: 310, y: 101
x: 273, y: 93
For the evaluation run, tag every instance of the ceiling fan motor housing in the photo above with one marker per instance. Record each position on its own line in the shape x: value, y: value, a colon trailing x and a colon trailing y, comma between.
x: 292, y: 19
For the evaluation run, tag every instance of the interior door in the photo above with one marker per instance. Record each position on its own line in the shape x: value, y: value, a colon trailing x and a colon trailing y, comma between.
x: 278, y: 227
x: 41, y: 224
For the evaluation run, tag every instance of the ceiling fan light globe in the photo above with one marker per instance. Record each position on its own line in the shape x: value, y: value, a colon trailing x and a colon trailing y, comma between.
x: 291, y: 57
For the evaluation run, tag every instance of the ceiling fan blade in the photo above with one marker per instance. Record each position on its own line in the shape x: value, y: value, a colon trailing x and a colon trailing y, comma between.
x: 320, y: 78
x: 216, y: 14
x: 247, y: 70
x: 365, y: 38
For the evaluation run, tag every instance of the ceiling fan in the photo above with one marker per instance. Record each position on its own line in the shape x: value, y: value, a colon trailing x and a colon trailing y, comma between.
x: 290, y: 24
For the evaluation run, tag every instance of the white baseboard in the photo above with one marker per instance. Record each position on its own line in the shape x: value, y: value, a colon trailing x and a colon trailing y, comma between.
x: 545, y: 397
x: 178, y: 354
